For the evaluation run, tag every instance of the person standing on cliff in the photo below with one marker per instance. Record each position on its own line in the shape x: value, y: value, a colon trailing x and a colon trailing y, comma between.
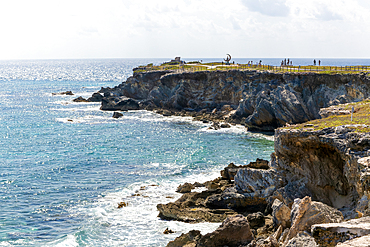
x: 319, y: 62
x: 314, y: 62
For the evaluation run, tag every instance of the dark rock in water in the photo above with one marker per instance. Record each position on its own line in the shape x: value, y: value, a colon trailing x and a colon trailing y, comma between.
x: 168, y: 231
x: 256, y: 220
x: 117, y: 115
x: 96, y: 97
x: 80, y: 99
x: 225, y: 125
x: 119, y: 104
x: 122, y: 204
x: 233, y: 232
x: 64, y: 93
x: 189, y: 239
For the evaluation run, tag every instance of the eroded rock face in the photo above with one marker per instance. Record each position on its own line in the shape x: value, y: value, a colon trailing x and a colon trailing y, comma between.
x: 330, y: 161
x: 306, y: 213
x: 263, y: 100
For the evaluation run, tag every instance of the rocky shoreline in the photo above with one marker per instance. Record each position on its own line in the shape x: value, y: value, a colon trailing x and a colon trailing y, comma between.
x: 317, y: 197
x: 315, y: 189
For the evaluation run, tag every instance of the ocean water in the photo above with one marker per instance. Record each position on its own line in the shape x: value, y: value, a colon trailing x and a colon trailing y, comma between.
x: 65, y: 166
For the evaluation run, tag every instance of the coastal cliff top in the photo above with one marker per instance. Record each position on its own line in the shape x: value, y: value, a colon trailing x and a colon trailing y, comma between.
x: 340, y: 115
x: 213, y: 66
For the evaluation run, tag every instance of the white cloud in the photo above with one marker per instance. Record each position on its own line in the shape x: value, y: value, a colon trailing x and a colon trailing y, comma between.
x: 166, y: 28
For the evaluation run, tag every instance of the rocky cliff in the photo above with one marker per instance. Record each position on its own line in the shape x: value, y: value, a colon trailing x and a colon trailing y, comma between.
x: 261, y: 100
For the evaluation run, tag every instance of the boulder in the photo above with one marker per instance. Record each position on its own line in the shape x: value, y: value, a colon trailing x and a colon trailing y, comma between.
x: 230, y: 171
x: 258, y: 182
x: 64, y: 93
x: 256, y: 220
x: 259, y: 164
x: 189, y: 239
x: 117, y: 115
x: 80, y: 99
x: 333, y: 233
x: 185, y: 188
x: 281, y: 214
x: 294, y: 189
x: 233, y: 232
x: 96, y: 97
x: 357, y: 242
x: 191, y: 208
x: 306, y: 213
x: 119, y: 103
x: 303, y: 239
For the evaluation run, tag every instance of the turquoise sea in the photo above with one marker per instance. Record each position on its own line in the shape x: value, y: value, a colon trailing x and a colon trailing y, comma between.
x: 65, y: 166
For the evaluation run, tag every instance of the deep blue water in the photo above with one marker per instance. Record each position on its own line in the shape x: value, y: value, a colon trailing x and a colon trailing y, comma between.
x: 65, y: 166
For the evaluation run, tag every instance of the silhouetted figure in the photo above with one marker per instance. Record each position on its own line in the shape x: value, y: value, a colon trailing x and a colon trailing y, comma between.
x: 285, y: 61
x: 314, y: 62
x: 319, y: 62
x: 288, y: 61
x: 291, y: 62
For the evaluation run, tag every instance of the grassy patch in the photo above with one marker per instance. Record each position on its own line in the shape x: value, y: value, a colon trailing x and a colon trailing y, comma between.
x: 360, y: 121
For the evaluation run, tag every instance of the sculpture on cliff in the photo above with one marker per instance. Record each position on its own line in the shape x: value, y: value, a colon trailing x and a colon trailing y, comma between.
x: 228, y: 58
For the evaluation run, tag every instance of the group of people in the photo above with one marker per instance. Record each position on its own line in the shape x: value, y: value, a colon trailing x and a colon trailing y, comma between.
x: 286, y: 62
x: 314, y: 62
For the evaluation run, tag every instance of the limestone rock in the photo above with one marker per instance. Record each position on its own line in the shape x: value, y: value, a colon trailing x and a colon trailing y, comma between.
x: 333, y: 233
x: 303, y: 239
x: 188, y: 239
x: 185, y: 188
x: 256, y: 220
x: 233, y: 232
x: 258, y: 182
x: 259, y: 164
x: 357, y: 242
x: 306, y: 213
x: 281, y: 214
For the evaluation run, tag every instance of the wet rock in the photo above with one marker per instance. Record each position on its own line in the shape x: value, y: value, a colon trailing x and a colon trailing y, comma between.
x: 64, y: 93
x: 80, y: 99
x: 117, y: 115
x: 191, y: 208
x: 281, y: 214
x: 122, y: 204
x: 333, y: 233
x: 189, y: 239
x: 96, y: 97
x: 306, y: 213
x: 185, y: 188
x: 168, y: 231
x: 119, y: 103
x: 233, y: 232
x: 225, y: 125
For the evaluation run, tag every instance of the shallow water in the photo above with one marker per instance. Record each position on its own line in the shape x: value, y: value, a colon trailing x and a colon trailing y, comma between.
x: 65, y: 166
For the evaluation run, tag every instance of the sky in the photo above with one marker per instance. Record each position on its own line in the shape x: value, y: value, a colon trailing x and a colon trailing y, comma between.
x: 67, y: 29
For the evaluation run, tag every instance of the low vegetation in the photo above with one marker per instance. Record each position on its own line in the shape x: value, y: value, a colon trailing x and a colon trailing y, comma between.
x: 360, y: 120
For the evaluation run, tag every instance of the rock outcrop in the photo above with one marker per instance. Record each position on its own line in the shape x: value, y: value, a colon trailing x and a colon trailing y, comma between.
x: 262, y: 101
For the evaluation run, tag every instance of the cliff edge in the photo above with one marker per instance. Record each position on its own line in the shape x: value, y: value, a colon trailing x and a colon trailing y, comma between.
x: 262, y: 101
